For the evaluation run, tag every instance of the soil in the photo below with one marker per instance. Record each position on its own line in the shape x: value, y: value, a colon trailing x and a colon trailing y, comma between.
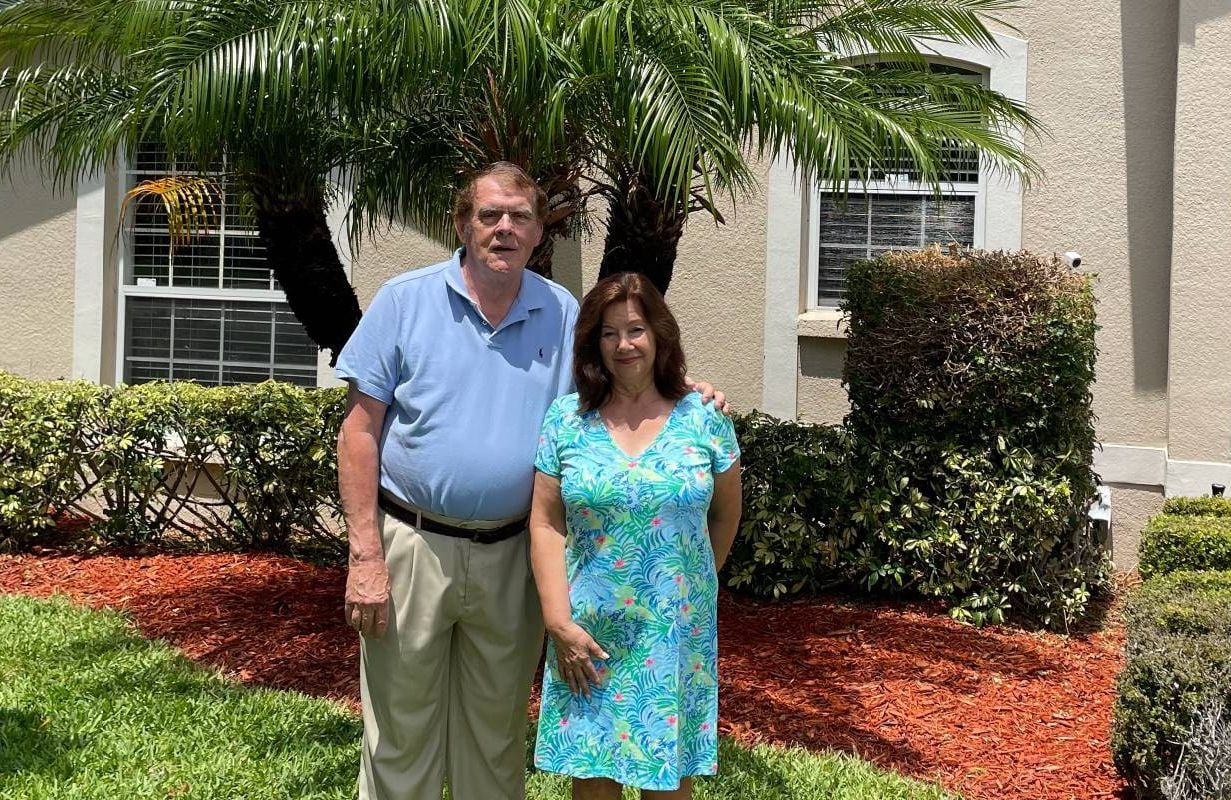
x: 993, y: 713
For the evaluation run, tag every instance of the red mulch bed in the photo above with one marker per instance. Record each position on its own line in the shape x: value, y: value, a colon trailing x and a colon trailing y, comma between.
x: 992, y: 714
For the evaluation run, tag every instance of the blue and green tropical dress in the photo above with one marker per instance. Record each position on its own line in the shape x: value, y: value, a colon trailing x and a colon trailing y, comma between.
x: 642, y: 583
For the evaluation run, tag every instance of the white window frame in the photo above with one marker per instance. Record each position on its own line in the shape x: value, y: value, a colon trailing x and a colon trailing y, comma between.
x: 791, y: 310
x: 126, y: 288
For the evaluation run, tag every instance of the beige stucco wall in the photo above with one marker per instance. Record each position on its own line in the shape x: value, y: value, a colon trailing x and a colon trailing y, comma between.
x: 378, y: 259
x: 37, y: 241
x: 821, y: 395
x: 1102, y: 77
x: 1131, y: 507
x: 1201, y: 286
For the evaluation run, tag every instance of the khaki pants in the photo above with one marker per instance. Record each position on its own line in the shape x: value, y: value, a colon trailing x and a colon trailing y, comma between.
x: 444, y: 691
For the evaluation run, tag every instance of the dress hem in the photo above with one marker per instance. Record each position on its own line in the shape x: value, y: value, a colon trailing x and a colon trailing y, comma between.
x: 652, y: 788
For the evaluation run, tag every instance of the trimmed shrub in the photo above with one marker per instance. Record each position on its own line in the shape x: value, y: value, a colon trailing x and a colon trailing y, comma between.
x: 234, y: 467
x: 1198, y: 506
x: 792, y: 476
x: 1173, y: 542
x: 1204, y: 768
x: 1178, y: 659
x: 971, y: 470
x: 40, y: 427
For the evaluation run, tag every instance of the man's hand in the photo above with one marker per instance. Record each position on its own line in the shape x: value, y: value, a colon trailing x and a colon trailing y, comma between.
x: 367, y: 597
x: 708, y: 393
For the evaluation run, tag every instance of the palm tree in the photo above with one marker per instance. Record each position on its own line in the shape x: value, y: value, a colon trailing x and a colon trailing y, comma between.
x: 88, y: 80
x: 696, y: 86
x: 653, y: 109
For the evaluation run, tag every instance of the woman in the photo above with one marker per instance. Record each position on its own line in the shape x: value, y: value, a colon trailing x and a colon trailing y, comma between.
x: 636, y: 503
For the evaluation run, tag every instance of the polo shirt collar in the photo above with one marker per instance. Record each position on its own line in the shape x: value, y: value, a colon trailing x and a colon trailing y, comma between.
x: 531, y: 295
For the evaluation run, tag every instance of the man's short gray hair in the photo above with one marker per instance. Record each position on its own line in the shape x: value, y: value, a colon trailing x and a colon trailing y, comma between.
x: 508, y: 174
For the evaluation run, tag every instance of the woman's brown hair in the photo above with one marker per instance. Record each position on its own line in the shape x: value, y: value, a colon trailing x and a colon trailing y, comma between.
x: 591, y: 376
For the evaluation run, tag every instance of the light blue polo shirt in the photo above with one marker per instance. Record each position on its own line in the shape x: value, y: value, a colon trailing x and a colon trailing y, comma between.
x: 466, y: 402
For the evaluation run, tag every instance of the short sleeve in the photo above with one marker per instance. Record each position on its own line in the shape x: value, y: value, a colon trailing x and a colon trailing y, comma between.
x: 370, y: 360
x: 724, y: 449
x: 547, y: 459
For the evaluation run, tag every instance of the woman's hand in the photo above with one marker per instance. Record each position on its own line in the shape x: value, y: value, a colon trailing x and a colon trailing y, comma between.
x: 575, y: 654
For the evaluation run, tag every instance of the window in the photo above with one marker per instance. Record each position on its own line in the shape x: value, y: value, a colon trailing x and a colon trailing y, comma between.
x: 209, y: 311
x: 893, y: 211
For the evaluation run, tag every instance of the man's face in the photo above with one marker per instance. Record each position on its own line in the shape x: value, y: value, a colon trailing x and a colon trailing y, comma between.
x: 502, y: 230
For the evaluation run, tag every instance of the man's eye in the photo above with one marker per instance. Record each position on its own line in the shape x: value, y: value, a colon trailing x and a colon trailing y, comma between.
x: 490, y: 216
x: 522, y: 217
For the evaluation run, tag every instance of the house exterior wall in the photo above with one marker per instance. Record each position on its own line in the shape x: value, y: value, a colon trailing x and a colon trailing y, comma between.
x: 1106, y: 196
x: 1200, y: 285
x: 37, y: 248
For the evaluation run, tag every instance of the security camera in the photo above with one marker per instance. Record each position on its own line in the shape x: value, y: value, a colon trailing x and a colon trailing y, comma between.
x: 1072, y: 259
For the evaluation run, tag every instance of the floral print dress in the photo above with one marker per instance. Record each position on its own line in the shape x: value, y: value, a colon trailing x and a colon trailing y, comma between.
x: 642, y: 583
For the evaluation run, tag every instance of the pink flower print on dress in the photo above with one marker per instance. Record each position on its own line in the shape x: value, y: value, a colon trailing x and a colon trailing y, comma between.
x: 649, y: 662
x: 705, y: 726
x: 632, y: 465
x: 671, y: 720
x: 619, y: 696
x: 619, y: 562
x: 656, y: 521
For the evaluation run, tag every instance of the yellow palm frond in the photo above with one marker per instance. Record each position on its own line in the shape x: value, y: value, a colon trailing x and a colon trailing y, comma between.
x: 192, y: 203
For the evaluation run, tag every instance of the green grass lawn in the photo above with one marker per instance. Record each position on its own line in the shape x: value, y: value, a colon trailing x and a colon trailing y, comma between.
x: 88, y: 709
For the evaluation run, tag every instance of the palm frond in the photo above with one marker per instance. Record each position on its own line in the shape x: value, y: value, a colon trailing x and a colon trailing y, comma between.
x: 192, y: 204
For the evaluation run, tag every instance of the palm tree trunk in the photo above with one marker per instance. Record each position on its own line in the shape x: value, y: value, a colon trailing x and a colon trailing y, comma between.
x: 540, y: 259
x: 643, y: 234
x: 299, y: 249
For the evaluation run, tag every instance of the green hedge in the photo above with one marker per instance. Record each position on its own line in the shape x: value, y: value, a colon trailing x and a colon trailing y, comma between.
x: 1178, y: 657
x: 972, y: 433
x: 792, y: 476
x: 239, y: 467
x: 1198, y: 506
x: 1173, y: 542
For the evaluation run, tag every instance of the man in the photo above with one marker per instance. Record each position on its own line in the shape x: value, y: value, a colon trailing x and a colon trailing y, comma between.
x: 451, y: 371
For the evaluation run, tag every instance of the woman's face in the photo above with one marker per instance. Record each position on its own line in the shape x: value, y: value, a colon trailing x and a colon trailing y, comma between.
x: 627, y: 343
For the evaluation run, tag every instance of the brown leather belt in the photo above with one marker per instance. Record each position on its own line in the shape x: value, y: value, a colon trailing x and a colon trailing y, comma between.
x: 396, y: 509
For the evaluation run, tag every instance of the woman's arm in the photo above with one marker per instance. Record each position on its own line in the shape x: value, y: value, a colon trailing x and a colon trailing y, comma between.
x: 724, y: 512
x: 547, y: 531
x: 575, y: 648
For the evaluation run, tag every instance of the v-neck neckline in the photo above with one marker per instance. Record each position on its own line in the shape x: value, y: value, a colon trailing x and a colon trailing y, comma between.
x: 602, y: 422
